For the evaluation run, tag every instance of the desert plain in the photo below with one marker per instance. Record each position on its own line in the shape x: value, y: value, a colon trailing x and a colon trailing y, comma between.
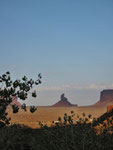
x: 46, y: 114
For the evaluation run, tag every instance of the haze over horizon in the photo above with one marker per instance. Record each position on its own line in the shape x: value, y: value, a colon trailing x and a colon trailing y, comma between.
x: 69, y: 42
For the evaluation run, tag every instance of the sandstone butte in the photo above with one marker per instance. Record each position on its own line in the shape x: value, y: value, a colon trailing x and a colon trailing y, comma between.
x: 15, y: 102
x: 63, y: 102
x: 106, y: 98
x: 109, y: 108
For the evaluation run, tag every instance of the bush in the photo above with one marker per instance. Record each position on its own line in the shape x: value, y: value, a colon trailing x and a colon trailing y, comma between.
x: 79, y: 136
x: 69, y: 137
x: 18, y: 89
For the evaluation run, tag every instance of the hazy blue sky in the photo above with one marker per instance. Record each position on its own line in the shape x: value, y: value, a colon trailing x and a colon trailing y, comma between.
x: 69, y: 41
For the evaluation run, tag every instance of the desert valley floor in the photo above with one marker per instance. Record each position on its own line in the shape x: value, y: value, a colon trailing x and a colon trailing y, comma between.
x: 49, y: 114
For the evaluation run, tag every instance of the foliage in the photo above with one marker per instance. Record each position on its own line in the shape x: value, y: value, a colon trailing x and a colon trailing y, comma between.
x: 79, y: 136
x: 33, y: 109
x: 14, y: 89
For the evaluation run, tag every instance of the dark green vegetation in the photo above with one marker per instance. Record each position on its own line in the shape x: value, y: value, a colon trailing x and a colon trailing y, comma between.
x: 63, y: 136
x: 14, y: 89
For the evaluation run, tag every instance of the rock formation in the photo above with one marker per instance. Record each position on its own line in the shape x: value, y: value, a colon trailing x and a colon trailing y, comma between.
x: 106, y: 97
x: 109, y: 108
x: 63, y: 98
x: 15, y: 102
x: 63, y: 102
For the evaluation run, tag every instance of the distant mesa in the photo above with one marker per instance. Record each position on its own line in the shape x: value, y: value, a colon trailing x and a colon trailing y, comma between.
x: 63, y: 102
x: 106, y: 97
x: 15, y: 102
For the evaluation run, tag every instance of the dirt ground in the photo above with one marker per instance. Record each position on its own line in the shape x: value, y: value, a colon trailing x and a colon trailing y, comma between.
x: 49, y: 114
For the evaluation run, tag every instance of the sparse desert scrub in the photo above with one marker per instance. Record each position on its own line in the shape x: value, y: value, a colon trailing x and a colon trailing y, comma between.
x: 80, y: 136
x: 50, y: 114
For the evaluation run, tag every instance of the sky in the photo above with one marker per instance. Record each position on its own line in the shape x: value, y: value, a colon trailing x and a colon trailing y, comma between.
x: 70, y: 42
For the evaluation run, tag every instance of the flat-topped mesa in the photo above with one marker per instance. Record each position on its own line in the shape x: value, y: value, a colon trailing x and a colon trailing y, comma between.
x: 106, y: 95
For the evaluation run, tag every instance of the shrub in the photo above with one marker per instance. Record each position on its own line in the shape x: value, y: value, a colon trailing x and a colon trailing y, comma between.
x: 18, y: 89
